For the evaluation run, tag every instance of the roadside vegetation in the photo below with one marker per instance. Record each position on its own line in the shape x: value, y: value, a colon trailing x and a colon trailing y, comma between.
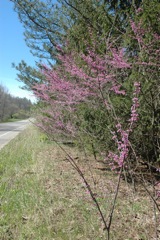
x: 42, y: 197
x: 13, y: 108
x: 97, y: 87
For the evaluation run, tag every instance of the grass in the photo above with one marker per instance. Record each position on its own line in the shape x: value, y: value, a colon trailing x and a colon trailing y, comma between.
x: 43, y: 198
x: 11, y: 120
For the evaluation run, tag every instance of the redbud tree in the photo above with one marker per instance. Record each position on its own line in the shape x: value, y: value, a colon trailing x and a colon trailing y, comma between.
x: 109, y: 99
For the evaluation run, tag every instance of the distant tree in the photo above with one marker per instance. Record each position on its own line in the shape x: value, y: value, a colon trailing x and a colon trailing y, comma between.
x: 3, y: 101
x: 10, y: 105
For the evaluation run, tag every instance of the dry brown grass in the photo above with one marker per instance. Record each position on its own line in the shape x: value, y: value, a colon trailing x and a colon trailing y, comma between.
x: 134, y: 214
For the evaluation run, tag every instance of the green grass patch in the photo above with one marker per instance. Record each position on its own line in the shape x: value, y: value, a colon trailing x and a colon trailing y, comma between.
x: 12, y: 120
x: 43, y: 198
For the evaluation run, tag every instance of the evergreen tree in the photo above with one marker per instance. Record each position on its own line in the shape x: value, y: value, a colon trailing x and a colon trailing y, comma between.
x: 79, y: 26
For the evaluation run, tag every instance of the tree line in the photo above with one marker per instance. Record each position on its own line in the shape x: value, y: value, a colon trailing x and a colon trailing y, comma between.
x: 13, y: 107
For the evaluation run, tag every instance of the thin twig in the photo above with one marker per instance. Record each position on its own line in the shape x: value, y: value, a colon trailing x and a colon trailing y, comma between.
x: 114, y: 203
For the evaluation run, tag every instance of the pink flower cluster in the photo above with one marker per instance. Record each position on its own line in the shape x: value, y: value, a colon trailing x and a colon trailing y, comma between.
x: 123, y: 148
x: 138, y: 31
x: 123, y: 145
x: 118, y: 60
x: 87, y: 78
x: 135, y: 105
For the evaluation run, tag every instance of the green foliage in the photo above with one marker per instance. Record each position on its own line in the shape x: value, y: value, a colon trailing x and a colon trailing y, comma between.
x: 41, y: 24
x: 13, y: 107
x: 29, y: 75
x: 21, y: 115
x: 75, y: 25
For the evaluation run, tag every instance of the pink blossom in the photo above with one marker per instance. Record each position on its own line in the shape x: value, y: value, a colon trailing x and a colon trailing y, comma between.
x: 123, y: 144
x: 139, y: 10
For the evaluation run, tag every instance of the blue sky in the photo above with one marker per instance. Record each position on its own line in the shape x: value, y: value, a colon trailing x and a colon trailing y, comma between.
x: 12, y: 49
